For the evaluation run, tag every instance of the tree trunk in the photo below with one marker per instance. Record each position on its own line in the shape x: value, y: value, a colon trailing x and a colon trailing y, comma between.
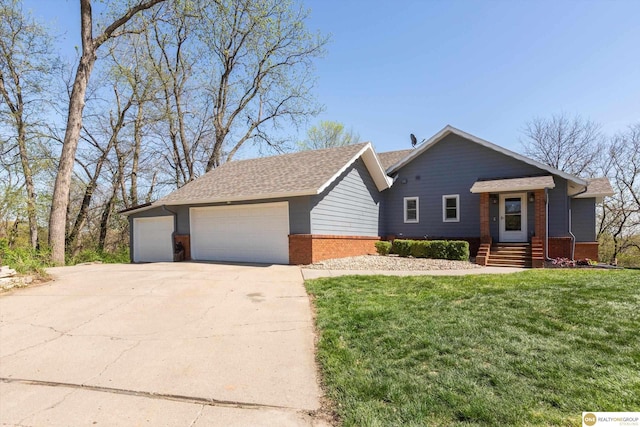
x: 104, y: 221
x: 17, y: 110
x: 61, y: 189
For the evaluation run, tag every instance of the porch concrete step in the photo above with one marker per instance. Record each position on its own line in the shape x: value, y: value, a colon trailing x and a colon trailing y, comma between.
x: 515, y: 257
x: 509, y: 263
x: 510, y: 255
x: 517, y: 253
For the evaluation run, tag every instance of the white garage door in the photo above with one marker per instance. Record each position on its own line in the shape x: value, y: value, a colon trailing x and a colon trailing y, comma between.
x: 247, y: 233
x: 152, y: 239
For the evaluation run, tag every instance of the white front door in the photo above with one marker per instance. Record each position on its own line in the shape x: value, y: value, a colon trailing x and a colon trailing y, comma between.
x: 513, y: 217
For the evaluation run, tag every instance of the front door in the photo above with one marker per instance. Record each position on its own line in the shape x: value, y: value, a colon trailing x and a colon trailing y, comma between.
x: 513, y: 217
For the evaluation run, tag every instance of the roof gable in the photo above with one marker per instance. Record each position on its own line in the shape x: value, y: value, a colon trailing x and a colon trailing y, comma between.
x: 286, y: 175
x: 447, y: 130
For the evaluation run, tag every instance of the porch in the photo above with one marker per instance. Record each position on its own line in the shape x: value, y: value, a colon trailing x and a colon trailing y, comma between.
x: 513, y: 221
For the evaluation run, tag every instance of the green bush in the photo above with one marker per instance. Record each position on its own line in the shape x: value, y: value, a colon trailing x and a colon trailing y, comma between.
x: 401, y: 247
x: 121, y: 256
x: 24, y: 260
x: 419, y: 248
x: 434, y: 249
x: 437, y: 249
x: 458, y: 250
x: 383, y: 247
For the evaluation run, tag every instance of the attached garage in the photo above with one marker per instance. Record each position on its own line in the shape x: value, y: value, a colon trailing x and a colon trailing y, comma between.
x: 241, y: 233
x: 152, y: 239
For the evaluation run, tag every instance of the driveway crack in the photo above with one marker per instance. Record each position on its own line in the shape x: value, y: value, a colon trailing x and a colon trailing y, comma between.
x: 195, y: 420
x: 204, y: 401
x: 108, y: 365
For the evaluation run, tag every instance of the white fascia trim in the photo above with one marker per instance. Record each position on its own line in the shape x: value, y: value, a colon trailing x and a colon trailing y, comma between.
x: 373, y: 165
x: 450, y: 129
x: 146, y: 208
x: 159, y: 203
x: 591, y: 195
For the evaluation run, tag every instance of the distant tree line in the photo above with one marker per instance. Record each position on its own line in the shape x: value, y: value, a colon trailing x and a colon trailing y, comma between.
x: 578, y: 146
x: 160, y: 92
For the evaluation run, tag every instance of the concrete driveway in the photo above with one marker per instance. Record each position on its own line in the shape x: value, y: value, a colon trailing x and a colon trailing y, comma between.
x: 167, y: 344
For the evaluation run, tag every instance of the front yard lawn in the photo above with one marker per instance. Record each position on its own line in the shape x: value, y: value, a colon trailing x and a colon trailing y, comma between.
x: 533, y: 348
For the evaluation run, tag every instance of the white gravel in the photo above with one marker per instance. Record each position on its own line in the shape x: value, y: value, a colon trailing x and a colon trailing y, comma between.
x: 393, y: 263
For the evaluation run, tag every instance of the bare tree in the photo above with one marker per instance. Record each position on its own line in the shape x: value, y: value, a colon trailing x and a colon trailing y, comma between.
x: 261, y: 61
x: 116, y: 123
x: 90, y: 46
x: 327, y: 134
x: 620, y: 216
x: 26, y: 62
x: 570, y: 144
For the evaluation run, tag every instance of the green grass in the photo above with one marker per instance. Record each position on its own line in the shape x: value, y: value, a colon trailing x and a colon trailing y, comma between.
x: 534, y: 348
x: 29, y: 261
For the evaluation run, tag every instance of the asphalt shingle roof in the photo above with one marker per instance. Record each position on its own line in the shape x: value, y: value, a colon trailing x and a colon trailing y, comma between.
x: 597, y: 187
x: 298, y: 173
x: 390, y: 158
x: 513, y: 184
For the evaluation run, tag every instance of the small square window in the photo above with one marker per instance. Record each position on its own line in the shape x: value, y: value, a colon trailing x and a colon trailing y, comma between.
x: 411, y: 209
x: 451, y: 208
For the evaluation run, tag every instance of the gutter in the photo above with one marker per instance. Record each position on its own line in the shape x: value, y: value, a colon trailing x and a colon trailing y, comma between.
x: 546, y: 234
x: 573, y: 237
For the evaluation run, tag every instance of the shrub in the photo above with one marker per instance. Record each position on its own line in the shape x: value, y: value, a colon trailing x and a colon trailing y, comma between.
x: 120, y: 256
x: 383, y: 247
x: 420, y: 248
x: 437, y: 249
x: 401, y: 247
x: 458, y: 250
x: 24, y: 260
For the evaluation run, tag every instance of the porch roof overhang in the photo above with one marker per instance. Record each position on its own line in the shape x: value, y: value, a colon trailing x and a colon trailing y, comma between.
x: 513, y: 184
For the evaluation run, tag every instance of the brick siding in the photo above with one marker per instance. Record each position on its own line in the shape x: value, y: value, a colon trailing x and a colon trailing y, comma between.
x: 559, y: 247
x: 310, y: 248
x: 586, y: 250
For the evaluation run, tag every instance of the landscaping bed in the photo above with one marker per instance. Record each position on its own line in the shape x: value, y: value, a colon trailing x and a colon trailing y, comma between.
x: 532, y: 348
x: 390, y: 262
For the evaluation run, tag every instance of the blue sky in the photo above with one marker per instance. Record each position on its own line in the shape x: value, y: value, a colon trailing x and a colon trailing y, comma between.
x: 486, y: 67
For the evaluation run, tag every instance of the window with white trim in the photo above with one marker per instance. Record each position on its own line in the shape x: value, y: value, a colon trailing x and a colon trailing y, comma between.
x: 411, y: 209
x: 451, y: 208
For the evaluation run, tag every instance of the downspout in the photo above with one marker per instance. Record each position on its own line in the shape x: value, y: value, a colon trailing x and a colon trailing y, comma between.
x: 573, y: 237
x: 546, y: 220
x: 175, y: 227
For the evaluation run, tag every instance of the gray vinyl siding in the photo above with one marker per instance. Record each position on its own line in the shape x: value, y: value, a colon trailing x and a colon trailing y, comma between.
x: 451, y: 167
x: 559, y: 209
x: 583, y: 219
x: 349, y: 206
x: 298, y: 214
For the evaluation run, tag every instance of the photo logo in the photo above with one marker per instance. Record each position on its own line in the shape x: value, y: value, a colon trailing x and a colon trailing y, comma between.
x: 589, y: 419
x: 611, y: 419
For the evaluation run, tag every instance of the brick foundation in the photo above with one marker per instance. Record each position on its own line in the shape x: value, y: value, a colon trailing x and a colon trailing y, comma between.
x: 586, y: 250
x: 559, y: 247
x: 310, y: 248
